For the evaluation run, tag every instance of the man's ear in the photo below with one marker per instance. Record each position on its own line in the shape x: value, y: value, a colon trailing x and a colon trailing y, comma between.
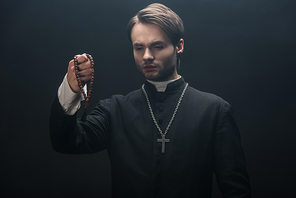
x: 180, y: 47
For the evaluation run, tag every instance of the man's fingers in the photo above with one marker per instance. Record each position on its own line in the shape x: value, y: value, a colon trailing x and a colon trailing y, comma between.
x: 85, y: 79
x: 83, y: 62
x: 71, y: 63
x: 82, y: 58
x: 85, y: 75
x: 85, y: 72
x: 84, y: 66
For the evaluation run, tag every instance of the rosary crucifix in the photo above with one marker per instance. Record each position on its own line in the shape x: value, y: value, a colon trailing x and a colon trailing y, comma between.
x: 163, y: 141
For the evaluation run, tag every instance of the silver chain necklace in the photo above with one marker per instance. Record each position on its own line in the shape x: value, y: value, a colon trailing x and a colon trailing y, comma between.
x: 163, y: 140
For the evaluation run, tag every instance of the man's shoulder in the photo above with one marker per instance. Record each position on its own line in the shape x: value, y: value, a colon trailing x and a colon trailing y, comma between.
x: 205, y: 102
x: 204, y: 96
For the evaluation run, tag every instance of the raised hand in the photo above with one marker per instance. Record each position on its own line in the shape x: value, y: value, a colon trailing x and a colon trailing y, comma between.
x: 85, y: 72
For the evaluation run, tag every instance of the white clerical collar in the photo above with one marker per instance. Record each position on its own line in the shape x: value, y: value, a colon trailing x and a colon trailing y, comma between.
x: 161, y: 86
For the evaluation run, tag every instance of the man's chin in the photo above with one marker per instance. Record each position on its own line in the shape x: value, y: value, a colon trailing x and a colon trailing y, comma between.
x: 152, y: 76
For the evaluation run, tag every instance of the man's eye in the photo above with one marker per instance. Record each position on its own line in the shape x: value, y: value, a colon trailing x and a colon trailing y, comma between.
x: 139, y: 48
x: 159, y: 47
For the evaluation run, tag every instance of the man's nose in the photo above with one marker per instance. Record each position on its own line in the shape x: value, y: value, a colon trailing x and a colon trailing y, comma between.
x: 148, y: 55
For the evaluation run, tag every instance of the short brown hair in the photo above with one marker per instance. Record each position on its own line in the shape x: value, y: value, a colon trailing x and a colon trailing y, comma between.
x: 162, y: 16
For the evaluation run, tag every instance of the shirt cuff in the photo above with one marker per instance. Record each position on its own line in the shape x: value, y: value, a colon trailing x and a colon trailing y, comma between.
x: 69, y: 100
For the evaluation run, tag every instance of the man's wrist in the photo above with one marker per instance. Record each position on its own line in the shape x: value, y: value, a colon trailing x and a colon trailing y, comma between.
x: 69, y: 100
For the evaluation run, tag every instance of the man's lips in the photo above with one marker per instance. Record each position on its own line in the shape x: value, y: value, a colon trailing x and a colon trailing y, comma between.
x: 149, y: 67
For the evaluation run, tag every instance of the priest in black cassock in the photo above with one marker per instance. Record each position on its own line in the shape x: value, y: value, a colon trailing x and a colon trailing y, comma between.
x: 166, y: 138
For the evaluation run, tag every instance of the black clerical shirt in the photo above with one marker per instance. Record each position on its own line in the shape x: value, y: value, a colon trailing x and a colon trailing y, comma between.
x: 204, y: 138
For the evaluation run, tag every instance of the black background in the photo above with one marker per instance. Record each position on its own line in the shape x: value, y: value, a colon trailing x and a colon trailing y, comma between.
x: 243, y: 51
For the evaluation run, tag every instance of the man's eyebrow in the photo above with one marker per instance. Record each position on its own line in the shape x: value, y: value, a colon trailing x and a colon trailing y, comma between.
x: 137, y: 44
x: 152, y: 44
x: 157, y: 43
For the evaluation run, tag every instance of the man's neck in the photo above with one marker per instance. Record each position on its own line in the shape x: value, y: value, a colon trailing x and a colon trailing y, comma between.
x: 162, y: 85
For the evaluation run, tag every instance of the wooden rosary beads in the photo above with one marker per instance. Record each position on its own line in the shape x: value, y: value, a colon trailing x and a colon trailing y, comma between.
x: 79, y: 81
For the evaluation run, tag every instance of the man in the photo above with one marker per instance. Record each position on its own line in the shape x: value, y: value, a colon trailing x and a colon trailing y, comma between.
x: 165, y: 139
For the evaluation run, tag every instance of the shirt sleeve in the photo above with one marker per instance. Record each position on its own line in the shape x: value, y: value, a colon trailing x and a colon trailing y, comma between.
x: 69, y: 100
x: 73, y: 136
x: 230, y: 167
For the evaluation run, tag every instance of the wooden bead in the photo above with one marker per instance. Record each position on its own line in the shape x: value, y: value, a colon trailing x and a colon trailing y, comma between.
x: 86, y: 97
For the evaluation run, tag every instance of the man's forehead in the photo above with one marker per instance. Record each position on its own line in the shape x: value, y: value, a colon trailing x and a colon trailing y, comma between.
x: 148, y: 33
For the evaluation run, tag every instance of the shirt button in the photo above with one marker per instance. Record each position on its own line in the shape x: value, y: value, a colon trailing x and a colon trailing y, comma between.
x: 161, y: 108
x: 158, y: 159
x: 160, y: 98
